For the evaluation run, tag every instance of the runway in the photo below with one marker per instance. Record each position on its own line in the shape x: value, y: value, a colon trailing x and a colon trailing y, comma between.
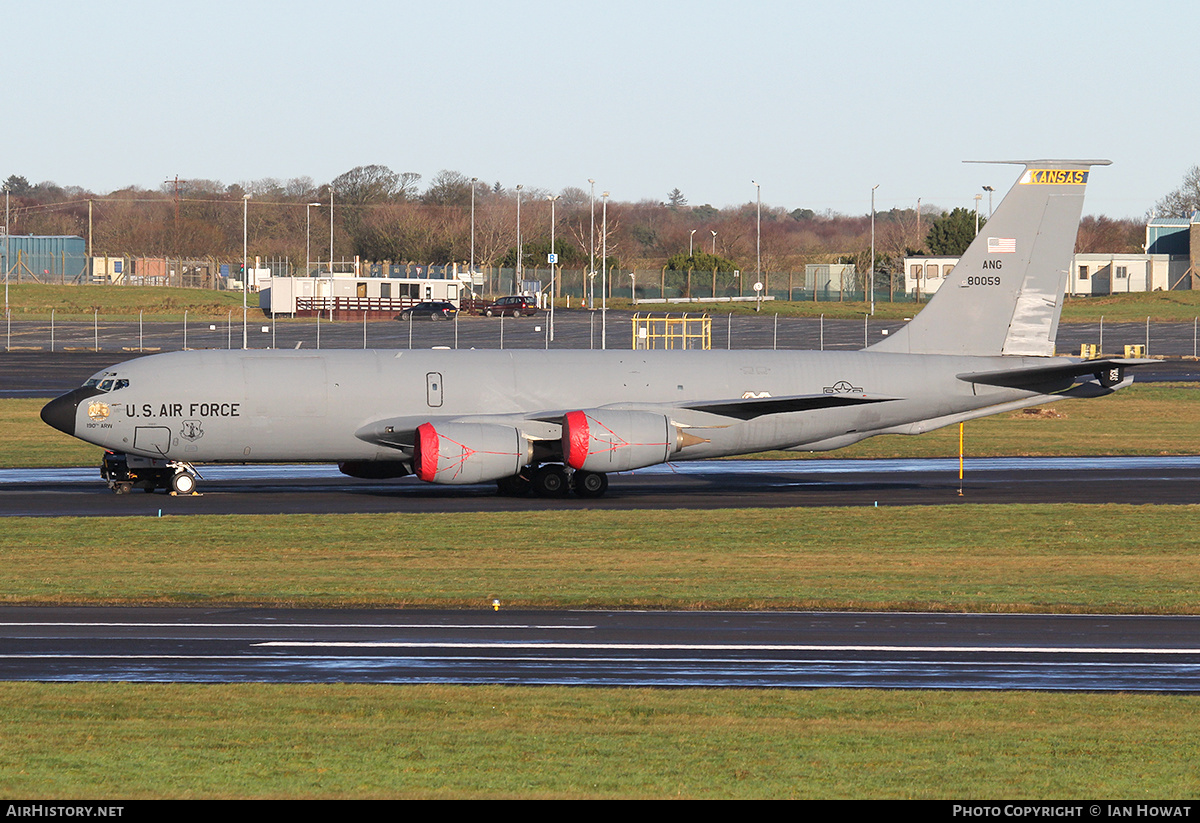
x: 731, y: 484
x: 659, y: 649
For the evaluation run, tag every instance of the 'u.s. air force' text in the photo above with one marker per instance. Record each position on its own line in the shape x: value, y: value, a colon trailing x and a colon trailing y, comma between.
x: 177, y: 410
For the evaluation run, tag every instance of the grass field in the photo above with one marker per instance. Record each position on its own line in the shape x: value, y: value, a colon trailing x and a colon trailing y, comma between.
x: 31, y: 301
x: 1038, y: 558
x: 118, y: 740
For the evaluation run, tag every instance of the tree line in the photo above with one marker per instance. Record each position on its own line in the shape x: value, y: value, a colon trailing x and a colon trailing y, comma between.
x: 383, y: 215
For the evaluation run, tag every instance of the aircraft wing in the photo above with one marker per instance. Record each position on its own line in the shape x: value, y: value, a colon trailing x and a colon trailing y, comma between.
x: 400, y: 432
x: 1108, y: 370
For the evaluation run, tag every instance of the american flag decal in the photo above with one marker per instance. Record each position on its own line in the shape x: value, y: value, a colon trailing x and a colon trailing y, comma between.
x: 1002, y: 245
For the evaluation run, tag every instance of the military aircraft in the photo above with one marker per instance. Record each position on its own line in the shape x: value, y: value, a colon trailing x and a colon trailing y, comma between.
x: 560, y: 421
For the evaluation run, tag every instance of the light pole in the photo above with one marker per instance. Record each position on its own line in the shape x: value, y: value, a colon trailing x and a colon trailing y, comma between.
x: 553, y: 262
x: 872, y: 277
x: 758, y: 236
x: 331, y: 232
x: 245, y: 270
x: 714, y: 234
x: 592, y: 250
x: 604, y: 274
x: 307, y: 237
x: 474, y: 182
x: 517, y: 270
x: 8, y: 251
x: 978, y: 197
x: 989, y: 190
x: 691, y: 236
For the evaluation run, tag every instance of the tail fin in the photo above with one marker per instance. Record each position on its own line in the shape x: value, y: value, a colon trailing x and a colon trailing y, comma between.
x: 1005, y: 295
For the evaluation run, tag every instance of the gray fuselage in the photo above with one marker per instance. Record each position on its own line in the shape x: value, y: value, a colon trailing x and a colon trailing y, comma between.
x: 267, y: 406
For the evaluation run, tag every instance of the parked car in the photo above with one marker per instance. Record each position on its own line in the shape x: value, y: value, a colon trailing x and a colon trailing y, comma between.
x: 430, y: 310
x: 516, y: 305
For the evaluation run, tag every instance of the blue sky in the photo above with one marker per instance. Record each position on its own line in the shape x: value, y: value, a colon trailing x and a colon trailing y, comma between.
x: 816, y: 101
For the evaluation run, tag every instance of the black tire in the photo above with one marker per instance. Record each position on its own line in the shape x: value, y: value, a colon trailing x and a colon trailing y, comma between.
x: 488, y: 312
x: 551, y: 481
x: 590, y: 484
x: 183, y: 483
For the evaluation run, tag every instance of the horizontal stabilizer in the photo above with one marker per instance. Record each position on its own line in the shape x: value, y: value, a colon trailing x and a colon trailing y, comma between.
x: 751, y: 408
x: 1109, y: 371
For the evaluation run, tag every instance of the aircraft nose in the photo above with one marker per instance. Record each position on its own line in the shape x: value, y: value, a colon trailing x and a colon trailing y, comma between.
x: 61, y: 411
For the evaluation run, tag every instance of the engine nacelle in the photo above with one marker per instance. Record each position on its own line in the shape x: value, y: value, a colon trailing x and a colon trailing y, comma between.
x: 603, y: 440
x: 461, y: 453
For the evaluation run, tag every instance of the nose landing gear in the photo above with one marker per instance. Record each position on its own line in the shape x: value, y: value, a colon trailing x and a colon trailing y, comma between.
x: 124, y: 473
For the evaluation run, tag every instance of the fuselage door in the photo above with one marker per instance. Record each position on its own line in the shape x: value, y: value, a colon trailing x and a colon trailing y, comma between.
x: 153, y: 439
x: 433, y: 389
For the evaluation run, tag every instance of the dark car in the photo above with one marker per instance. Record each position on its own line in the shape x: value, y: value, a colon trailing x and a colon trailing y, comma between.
x: 431, y: 310
x: 516, y: 305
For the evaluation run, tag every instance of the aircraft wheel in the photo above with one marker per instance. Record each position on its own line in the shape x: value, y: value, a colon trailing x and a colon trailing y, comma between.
x: 183, y: 483
x: 590, y: 484
x: 550, y: 481
x: 515, y: 486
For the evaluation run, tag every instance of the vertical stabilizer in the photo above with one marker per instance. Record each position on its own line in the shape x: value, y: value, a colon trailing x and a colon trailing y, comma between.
x: 1005, y: 295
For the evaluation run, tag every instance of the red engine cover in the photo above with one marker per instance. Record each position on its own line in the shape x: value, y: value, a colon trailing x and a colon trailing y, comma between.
x: 459, y: 453
x: 600, y: 440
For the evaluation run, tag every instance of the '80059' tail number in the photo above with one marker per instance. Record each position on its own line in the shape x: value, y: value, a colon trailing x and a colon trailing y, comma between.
x: 982, y: 280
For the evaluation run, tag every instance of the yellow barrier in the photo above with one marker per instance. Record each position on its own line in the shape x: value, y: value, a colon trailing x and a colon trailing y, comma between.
x: 665, y: 331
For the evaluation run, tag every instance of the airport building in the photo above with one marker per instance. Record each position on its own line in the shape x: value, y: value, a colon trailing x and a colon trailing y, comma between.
x: 43, y: 258
x: 1171, y: 261
x: 346, y: 296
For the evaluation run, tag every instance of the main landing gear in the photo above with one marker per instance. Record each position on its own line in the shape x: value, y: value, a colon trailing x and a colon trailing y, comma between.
x: 124, y: 473
x: 552, y: 481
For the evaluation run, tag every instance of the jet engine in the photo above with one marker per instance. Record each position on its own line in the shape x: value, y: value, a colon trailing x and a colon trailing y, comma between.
x: 461, y: 453
x: 603, y: 440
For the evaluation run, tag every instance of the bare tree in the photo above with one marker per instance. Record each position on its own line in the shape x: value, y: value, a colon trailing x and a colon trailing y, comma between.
x: 448, y: 188
x: 1185, y: 199
x: 364, y: 185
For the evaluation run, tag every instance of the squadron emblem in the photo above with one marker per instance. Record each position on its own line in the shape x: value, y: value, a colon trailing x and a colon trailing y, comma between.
x: 98, y: 410
x: 191, y: 430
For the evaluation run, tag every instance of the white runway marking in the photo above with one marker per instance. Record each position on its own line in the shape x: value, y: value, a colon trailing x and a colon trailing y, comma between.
x: 799, y: 647
x: 305, y: 625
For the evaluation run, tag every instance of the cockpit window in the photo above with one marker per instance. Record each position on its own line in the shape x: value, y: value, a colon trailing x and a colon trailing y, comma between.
x: 106, y: 382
